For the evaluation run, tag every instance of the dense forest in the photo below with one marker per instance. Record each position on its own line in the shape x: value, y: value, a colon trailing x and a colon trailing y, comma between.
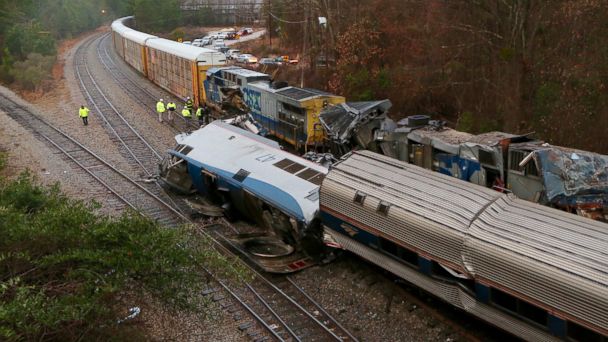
x: 516, y: 65
x: 513, y: 65
x: 30, y: 30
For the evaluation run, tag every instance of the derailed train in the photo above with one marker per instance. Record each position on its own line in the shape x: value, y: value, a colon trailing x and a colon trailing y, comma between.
x: 572, y: 180
x: 537, y: 272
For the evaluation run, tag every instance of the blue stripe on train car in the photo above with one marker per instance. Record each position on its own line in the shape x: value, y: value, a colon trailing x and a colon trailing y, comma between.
x: 482, y: 293
x: 425, y: 265
x: 466, y: 167
x: 347, y: 229
x: 557, y: 326
x: 273, y: 126
x: 267, y: 192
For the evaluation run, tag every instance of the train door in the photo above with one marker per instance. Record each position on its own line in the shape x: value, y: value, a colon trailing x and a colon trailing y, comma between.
x: 524, y: 181
x: 201, y: 77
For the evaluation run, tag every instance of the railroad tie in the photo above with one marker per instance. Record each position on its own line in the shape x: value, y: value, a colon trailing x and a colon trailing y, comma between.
x: 246, y: 325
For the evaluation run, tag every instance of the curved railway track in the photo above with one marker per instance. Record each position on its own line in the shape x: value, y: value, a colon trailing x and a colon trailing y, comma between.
x: 303, y: 325
x: 127, y: 192
x: 139, y: 93
x: 292, y: 314
x: 132, y: 145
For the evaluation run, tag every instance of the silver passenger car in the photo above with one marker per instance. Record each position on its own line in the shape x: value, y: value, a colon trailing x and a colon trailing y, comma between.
x: 534, y: 271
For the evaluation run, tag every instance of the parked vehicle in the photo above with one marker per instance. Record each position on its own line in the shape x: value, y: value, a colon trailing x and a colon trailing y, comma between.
x: 285, y: 59
x: 247, y: 58
x: 206, y: 41
x: 187, y: 42
x: 269, y: 61
x: 233, y: 53
x: 245, y: 31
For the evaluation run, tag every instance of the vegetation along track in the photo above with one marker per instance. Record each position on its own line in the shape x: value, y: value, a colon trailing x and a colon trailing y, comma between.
x: 127, y: 192
x: 138, y: 92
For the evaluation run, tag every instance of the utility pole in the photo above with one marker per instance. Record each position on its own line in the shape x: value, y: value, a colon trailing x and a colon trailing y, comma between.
x: 270, y: 23
x: 306, y: 8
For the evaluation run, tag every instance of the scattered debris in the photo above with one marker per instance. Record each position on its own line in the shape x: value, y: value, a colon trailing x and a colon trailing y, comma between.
x: 133, y: 312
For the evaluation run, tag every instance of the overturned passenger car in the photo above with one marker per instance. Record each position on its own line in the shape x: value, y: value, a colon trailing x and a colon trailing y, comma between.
x: 251, y: 176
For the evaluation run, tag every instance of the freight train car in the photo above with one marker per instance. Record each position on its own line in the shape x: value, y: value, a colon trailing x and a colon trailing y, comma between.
x: 537, y: 272
x: 176, y: 67
x: 118, y: 30
x: 135, y: 50
x: 289, y: 113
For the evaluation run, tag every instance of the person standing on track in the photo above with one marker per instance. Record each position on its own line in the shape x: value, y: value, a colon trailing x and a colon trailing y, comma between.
x: 189, y: 104
x: 171, y: 107
x: 160, y: 109
x: 201, y: 114
x: 186, y: 113
x: 83, y: 112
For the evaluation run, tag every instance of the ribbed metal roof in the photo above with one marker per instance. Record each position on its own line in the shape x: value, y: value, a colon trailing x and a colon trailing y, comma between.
x: 138, y: 37
x: 554, y: 259
x: 119, y: 27
x: 414, y: 189
x: 189, y: 52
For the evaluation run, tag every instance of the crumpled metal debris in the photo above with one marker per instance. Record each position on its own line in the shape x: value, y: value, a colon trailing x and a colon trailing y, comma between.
x: 133, y: 312
x: 323, y: 159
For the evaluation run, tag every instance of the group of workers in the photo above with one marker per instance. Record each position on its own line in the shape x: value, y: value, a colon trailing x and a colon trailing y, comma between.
x: 201, y: 112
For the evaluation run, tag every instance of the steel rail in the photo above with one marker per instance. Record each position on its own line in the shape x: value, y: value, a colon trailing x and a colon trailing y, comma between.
x: 281, y: 292
x: 148, y: 169
x: 134, y: 84
x: 107, y: 101
x: 43, y: 123
x: 321, y: 309
x: 265, y: 303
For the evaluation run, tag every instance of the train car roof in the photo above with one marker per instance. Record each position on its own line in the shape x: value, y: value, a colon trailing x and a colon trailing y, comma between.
x: 245, y: 72
x: 441, y: 198
x: 119, y: 26
x: 551, y: 256
x: 189, y: 52
x: 301, y: 94
x: 138, y: 37
x: 256, y: 164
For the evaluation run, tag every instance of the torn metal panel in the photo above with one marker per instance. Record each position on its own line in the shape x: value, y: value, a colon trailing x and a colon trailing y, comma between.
x: 568, y: 172
x: 442, y: 138
x: 342, y: 120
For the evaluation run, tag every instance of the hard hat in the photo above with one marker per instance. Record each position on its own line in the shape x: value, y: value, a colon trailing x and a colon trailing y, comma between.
x: 188, y: 98
x: 161, y: 100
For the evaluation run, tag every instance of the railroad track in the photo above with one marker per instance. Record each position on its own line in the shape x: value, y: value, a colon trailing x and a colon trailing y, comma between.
x: 277, y: 314
x: 127, y: 192
x: 132, y: 145
x: 140, y: 94
x: 282, y: 305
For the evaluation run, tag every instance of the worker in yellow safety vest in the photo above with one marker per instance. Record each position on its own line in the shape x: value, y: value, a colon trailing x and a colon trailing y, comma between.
x: 189, y: 104
x: 160, y: 109
x: 83, y: 112
x: 186, y: 113
x: 171, y: 107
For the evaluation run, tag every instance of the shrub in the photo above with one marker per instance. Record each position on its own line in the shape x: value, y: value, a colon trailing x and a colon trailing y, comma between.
x: 33, y: 71
x: 64, y: 269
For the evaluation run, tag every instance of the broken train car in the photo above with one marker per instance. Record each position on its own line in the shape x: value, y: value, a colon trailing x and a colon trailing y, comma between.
x: 249, y: 175
x: 572, y: 180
